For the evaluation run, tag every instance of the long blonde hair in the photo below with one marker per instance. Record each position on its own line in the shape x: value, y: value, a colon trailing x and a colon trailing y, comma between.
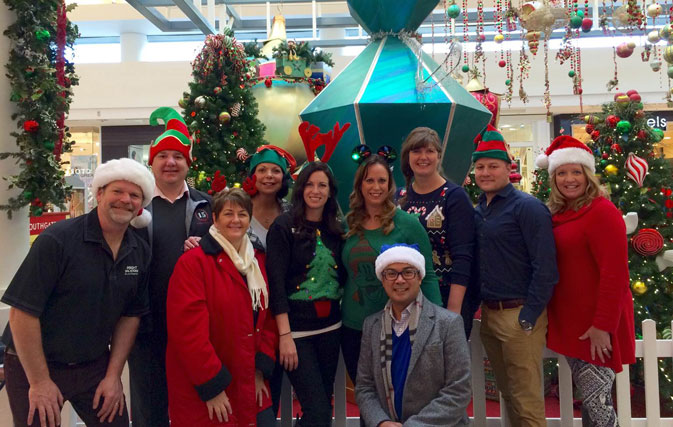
x: 358, y: 211
x: 420, y: 137
x: 558, y: 203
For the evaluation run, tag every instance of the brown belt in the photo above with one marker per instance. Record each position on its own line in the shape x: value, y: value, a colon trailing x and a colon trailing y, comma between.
x: 501, y: 305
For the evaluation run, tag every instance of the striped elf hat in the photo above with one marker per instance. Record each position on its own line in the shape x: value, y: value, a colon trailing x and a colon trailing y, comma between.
x: 176, y: 137
x: 491, y: 144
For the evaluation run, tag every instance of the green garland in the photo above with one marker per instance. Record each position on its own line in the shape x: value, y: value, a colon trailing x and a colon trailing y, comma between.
x: 41, y: 103
x: 304, y: 51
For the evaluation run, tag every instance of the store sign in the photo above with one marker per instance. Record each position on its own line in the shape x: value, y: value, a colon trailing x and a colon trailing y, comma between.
x: 657, y: 121
x: 40, y: 223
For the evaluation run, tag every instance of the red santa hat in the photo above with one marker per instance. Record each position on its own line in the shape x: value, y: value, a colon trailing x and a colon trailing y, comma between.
x: 563, y: 150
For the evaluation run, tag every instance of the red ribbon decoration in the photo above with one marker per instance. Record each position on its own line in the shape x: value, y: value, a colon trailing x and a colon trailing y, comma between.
x: 61, y: 28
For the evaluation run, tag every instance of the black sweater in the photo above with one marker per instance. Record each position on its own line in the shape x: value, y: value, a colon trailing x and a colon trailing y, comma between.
x: 288, y: 254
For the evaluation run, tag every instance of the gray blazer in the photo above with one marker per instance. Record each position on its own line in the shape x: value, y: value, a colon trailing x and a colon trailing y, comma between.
x: 437, y: 389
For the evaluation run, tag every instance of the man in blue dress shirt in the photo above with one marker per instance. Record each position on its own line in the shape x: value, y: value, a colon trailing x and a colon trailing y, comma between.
x: 517, y: 273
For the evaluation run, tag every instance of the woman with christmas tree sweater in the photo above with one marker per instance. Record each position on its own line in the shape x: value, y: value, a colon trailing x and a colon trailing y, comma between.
x: 445, y: 211
x: 305, y: 280
x: 374, y: 221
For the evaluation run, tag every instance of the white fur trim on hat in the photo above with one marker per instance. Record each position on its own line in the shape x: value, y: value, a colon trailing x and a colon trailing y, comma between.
x: 402, y: 254
x: 563, y: 156
x: 125, y: 170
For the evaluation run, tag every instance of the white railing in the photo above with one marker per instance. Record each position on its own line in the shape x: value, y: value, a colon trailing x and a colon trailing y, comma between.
x: 649, y: 348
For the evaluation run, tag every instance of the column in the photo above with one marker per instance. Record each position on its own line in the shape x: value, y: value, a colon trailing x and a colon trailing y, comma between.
x: 132, y: 45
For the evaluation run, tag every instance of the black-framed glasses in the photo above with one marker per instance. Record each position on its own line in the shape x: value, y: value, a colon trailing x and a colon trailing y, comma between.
x: 392, y: 275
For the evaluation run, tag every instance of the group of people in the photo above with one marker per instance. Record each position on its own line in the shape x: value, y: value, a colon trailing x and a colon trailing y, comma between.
x: 216, y: 299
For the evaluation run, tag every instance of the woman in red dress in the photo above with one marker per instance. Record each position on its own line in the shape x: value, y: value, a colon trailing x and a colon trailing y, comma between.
x: 591, y: 311
x: 222, y: 338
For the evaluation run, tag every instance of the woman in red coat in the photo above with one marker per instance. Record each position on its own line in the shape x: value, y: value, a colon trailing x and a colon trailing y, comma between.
x: 222, y: 338
x: 591, y: 311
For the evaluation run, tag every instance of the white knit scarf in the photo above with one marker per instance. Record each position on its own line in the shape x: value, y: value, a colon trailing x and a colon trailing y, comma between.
x: 245, y: 262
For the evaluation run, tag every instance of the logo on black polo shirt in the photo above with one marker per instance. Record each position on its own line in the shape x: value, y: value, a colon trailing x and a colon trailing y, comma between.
x: 131, y: 270
x: 201, y: 215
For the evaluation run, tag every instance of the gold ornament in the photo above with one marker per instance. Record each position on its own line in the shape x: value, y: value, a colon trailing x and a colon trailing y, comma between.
x: 499, y: 38
x: 639, y: 288
x: 611, y: 170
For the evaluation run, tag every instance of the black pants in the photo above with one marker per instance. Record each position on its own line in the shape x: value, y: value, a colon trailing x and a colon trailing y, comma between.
x: 350, y: 347
x: 313, y: 380
x: 77, y: 385
x: 276, y: 385
x: 469, y: 307
x: 147, y: 372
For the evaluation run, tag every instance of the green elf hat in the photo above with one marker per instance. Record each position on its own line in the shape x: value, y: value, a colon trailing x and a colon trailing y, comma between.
x: 275, y: 155
x: 491, y: 145
x: 176, y: 137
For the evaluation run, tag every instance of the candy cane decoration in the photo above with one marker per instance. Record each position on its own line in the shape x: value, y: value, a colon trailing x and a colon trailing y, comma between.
x: 636, y: 168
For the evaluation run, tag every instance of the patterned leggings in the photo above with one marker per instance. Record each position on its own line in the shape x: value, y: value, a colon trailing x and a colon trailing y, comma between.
x: 595, y: 384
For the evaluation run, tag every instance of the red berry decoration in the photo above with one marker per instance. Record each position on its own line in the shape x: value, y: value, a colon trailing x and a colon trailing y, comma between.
x: 595, y: 135
x: 642, y: 135
x: 612, y: 120
x: 31, y: 126
x: 648, y: 242
x: 616, y: 148
x: 589, y: 128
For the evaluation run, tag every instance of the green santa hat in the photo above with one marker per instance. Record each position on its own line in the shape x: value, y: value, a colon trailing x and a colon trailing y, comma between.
x: 491, y: 145
x: 176, y: 137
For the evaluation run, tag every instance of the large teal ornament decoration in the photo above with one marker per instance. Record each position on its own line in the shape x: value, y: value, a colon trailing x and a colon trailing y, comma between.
x: 391, y: 88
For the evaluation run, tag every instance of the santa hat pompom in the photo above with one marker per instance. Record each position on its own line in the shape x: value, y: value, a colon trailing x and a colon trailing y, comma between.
x: 142, y: 220
x: 542, y: 161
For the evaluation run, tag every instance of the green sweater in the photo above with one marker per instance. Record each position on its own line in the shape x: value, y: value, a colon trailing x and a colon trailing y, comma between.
x: 364, y: 293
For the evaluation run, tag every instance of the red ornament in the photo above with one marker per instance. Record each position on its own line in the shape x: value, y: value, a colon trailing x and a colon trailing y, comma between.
x: 605, y: 155
x: 634, y: 97
x: 502, y: 63
x: 31, y: 126
x: 642, y: 135
x: 595, y: 135
x: 609, y: 140
x: 669, y: 214
x: 616, y: 148
x: 589, y: 128
x: 669, y: 204
x: 268, y: 82
x: 612, y: 120
x: 579, y: 91
x: 669, y: 192
x: 648, y: 242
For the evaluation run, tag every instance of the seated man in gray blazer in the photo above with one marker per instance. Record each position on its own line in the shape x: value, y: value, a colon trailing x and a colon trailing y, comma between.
x: 414, y: 367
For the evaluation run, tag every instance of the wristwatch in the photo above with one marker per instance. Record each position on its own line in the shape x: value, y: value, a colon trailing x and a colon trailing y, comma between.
x: 525, y: 325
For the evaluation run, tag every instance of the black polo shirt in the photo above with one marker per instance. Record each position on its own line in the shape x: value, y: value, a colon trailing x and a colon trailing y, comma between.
x: 70, y: 280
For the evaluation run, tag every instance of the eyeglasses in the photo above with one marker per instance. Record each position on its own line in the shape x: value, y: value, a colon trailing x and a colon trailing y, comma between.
x: 392, y: 275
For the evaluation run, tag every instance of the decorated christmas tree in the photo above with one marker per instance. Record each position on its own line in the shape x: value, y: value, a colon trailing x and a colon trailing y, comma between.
x: 321, y: 277
x: 540, y: 188
x: 221, y: 112
x: 640, y: 183
x: 40, y: 77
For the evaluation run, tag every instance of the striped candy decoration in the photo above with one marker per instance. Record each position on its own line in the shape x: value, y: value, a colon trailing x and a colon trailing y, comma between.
x: 636, y: 168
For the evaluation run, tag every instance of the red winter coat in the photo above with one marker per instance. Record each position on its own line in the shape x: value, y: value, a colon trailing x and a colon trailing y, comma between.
x: 593, y: 290
x: 213, y: 344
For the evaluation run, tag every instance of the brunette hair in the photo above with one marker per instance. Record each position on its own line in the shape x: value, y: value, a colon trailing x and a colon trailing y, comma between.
x: 286, y: 183
x: 420, y: 137
x: 236, y: 196
x: 330, y: 214
x: 558, y: 203
x: 358, y: 211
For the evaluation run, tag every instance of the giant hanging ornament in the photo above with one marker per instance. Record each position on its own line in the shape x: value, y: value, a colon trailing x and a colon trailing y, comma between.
x: 453, y: 11
x: 624, y: 50
x: 636, y: 168
x: 668, y: 54
x: 648, y: 242
x: 653, y: 37
x: 587, y: 23
x: 654, y: 10
x: 638, y: 288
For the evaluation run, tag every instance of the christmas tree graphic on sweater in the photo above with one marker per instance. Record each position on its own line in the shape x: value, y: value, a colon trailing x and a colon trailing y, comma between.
x: 321, y: 276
